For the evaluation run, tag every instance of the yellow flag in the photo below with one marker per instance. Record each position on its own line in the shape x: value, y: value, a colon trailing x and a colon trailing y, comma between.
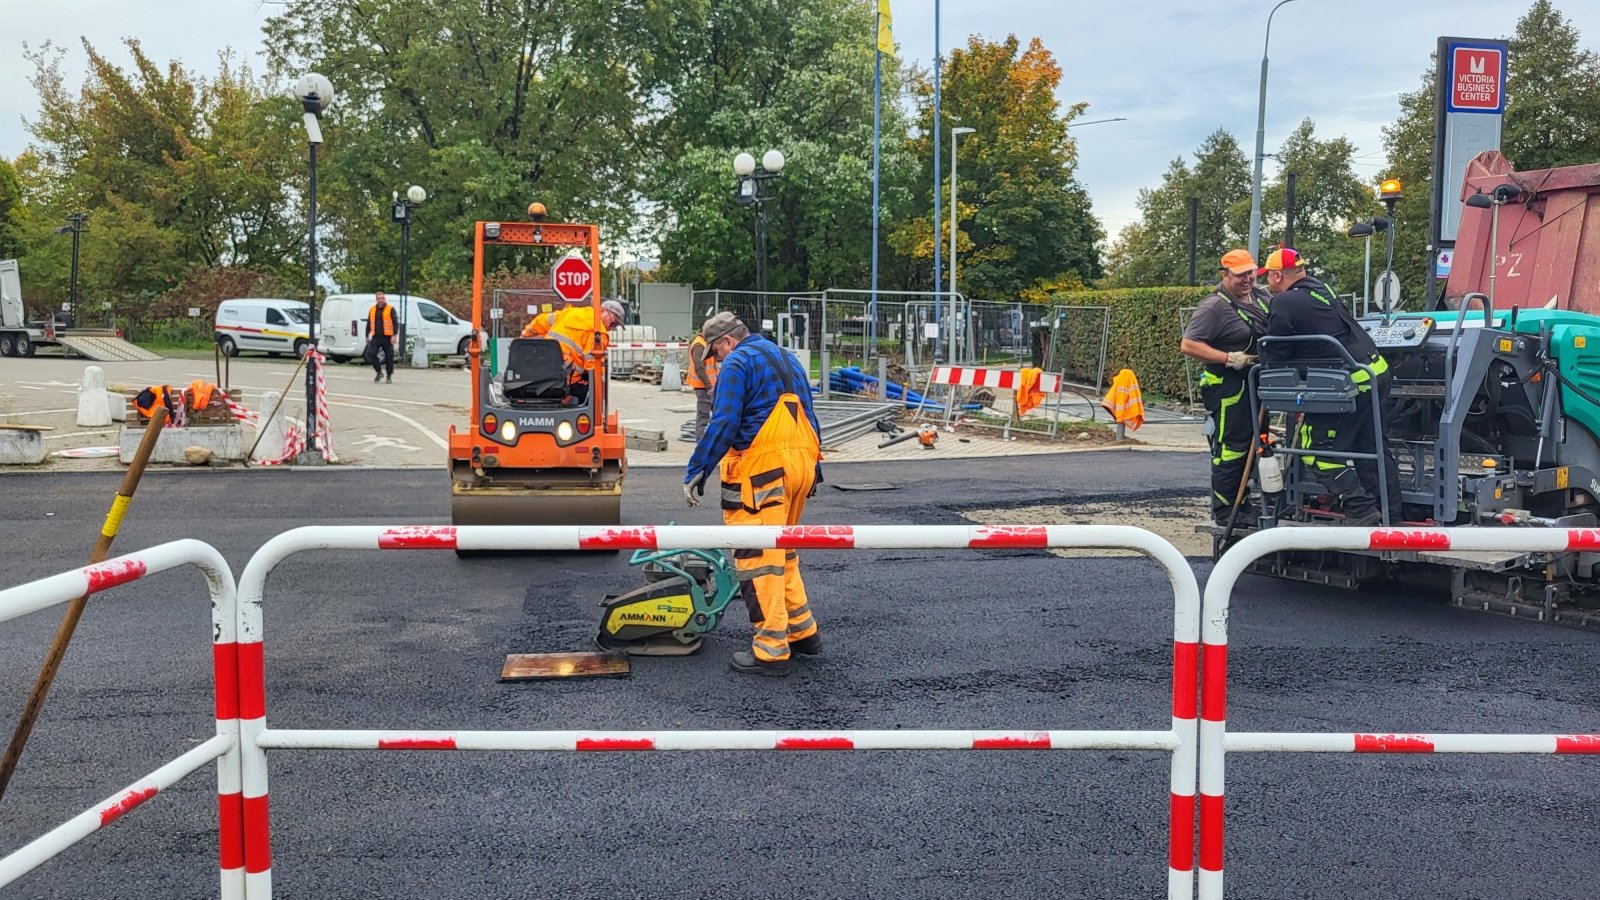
x: 885, y: 35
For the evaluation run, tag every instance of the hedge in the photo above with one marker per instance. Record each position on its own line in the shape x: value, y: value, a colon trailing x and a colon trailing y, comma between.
x: 1145, y: 331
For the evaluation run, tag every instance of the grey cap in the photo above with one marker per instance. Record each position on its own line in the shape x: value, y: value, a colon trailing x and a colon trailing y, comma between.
x: 721, y: 325
x: 616, y: 309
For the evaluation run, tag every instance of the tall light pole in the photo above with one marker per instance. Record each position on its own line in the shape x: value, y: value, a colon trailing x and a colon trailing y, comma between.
x: 77, y: 224
x: 1261, y: 140
x: 1098, y: 122
x: 938, y: 179
x: 955, y: 135
x: 401, y: 212
x: 315, y: 94
x: 750, y: 178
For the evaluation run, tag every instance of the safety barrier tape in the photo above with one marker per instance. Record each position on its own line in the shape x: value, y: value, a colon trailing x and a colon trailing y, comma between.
x: 1178, y: 740
x: 1006, y: 379
x: 223, y: 747
x: 1216, y: 742
x: 649, y: 345
x: 294, y: 434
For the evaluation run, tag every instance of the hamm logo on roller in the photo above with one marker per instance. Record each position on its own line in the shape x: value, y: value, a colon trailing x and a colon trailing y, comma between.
x: 536, y: 421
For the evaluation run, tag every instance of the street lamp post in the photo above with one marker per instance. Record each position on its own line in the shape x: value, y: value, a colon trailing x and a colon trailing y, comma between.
x: 315, y: 94
x: 750, y: 178
x: 77, y: 224
x: 1261, y: 140
x: 401, y: 212
x: 955, y: 135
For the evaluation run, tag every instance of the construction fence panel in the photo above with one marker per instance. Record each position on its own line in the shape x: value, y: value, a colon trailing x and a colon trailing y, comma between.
x: 1079, y: 340
x: 1177, y: 737
x: 223, y: 747
x: 1216, y: 742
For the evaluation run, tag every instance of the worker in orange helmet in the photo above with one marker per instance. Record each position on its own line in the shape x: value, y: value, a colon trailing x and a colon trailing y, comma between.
x: 583, y: 342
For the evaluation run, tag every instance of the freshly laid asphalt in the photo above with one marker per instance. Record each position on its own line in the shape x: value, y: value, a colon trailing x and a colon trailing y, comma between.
x: 1008, y: 640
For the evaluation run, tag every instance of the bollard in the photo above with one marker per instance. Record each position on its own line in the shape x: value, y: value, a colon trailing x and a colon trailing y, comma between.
x: 94, y: 407
x: 883, y: 378
x: 419, y: 353
x: 269, y: 443
x: 670, y: 379
x: 827, y: 375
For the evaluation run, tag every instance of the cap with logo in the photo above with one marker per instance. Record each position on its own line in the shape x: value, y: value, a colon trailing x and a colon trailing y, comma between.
x: 1278, y: 260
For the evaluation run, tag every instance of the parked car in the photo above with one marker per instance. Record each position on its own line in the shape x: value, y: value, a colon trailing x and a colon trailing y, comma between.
x: 343, y: 334
x: 270, y: 326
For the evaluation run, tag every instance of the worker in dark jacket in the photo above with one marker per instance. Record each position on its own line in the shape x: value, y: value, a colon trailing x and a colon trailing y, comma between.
x: 763, y: 441
x: 1222, y: 334
x: 1302, y: 305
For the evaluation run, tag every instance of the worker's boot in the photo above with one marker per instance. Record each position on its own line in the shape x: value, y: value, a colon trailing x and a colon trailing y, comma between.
x: 809, y: 646
x: 746, y: 662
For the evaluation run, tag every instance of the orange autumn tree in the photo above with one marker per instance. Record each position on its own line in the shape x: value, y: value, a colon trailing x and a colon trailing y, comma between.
x: 1024, y: 225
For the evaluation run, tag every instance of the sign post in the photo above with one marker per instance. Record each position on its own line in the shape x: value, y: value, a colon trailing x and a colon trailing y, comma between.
x: 1469, y: 107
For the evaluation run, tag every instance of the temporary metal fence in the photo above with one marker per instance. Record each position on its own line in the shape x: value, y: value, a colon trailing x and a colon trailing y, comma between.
x: 1216, y: 742
x: 1178, y: 739
x: 232, y: 808
x: 1080, y: 338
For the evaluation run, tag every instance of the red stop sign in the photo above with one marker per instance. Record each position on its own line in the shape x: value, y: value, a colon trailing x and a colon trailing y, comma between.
x: 572, y: 279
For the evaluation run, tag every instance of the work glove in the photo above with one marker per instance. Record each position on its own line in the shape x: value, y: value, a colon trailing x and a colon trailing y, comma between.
x: 1239, y: 359
x: 694, y: 490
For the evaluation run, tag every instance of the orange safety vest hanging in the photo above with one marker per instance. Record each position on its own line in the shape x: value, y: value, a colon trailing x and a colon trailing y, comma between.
x: 1029, y: 396
x: 201, y: 390
x: 156, y: 395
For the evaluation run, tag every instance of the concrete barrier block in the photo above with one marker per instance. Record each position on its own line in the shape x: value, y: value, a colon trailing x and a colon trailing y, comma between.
x: 270, y: 443
x: 21, y: 446
x: 94, y: 404
x: 226, y: 442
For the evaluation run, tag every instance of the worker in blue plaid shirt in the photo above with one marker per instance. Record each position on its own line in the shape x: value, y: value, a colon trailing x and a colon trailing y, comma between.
x: 763, y: 436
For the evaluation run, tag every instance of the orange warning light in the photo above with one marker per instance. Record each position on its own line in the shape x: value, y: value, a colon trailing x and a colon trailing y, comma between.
x: 1390, y: 189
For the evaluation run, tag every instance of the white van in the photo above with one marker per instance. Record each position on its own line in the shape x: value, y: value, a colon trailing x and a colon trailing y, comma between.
x: 271, y: 326
x: 343, y: 335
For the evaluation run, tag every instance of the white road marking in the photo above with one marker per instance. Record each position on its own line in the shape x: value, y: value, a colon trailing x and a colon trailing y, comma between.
x: 57, y: 437
x: 406, y: 419
x: 378, y: 442
x: 37, y: 412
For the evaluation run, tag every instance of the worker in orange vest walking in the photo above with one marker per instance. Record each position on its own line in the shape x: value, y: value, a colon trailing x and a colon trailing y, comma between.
x: 702, y: 380
x: 381, y: 331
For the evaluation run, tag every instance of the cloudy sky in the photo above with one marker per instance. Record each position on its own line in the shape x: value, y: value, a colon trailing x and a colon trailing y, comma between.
x: 1176, y: 71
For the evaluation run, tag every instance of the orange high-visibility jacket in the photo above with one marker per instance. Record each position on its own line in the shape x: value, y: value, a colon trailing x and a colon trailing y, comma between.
x: 387, y: 324
x: 1124, y: 401
x: 575, y: 327
x: 1029, y: 396
x: 702, y: 367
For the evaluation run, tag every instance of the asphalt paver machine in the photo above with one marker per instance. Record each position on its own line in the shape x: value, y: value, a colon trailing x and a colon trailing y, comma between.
x: 534, y: 452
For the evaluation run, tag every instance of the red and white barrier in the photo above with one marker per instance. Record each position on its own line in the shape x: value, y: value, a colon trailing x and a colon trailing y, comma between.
x: 1004, y: 379
x: 223, y: 747
x: 648, y: 345
x: 1179, y: 739
x: 1216, y: 742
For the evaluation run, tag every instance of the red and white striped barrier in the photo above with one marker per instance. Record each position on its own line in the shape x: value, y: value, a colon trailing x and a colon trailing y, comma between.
x: 1179, y: 739
x: 1004, y: 379
x: 223, y: 747
x: 1216, y: 742
x: 294, y: 434
x: 648, y: 345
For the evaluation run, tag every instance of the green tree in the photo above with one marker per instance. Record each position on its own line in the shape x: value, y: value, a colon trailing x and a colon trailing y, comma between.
x: 12, y: 212
x: 490, y: 105
x: 796, y: 77
x: 1552, y: 93
x: 1024, y: 223
x: 1329, y: 196
x: 1154, y: 251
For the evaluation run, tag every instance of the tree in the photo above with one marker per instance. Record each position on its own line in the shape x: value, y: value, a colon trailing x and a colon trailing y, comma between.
x: 796, y: 77
x: 1408, y: 143
x: 1154, y: 251
x: 12, y: 212
x: 1552, y: 93
x: 1329, y: 197
x: 487, y: 104
x: 1025, y: 222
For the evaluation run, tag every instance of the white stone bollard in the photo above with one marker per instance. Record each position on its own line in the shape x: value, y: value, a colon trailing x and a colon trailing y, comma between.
x: 270, y: 444
x: 419, y: 353
x: 94, y: 407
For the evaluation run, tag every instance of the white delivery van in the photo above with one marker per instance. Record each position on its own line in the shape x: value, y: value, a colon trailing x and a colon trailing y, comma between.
x: 270, y: 326
x: 343, y: 335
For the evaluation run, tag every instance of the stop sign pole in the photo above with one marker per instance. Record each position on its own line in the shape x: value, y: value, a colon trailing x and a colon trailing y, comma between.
x: 572, y: 279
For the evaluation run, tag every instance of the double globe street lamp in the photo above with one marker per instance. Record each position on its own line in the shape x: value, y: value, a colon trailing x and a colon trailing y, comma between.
x: 749, y: 194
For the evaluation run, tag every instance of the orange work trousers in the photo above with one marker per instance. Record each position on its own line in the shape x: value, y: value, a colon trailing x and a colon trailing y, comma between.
x: 767, y: 484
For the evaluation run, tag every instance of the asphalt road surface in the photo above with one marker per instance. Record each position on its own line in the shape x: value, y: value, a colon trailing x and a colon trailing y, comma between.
x: 914, y: 639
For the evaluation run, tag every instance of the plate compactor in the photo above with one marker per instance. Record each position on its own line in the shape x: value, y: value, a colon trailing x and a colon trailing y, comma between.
x: 536, y: 451
x: 683, y: 597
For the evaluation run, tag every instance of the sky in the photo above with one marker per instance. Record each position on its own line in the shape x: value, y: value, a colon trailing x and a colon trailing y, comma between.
x: 1176, y: 71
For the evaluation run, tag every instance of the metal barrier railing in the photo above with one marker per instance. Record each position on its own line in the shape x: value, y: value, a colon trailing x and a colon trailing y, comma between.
x: 1178, y: 739
x: 1216, y: 742
x: 223, y: 747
